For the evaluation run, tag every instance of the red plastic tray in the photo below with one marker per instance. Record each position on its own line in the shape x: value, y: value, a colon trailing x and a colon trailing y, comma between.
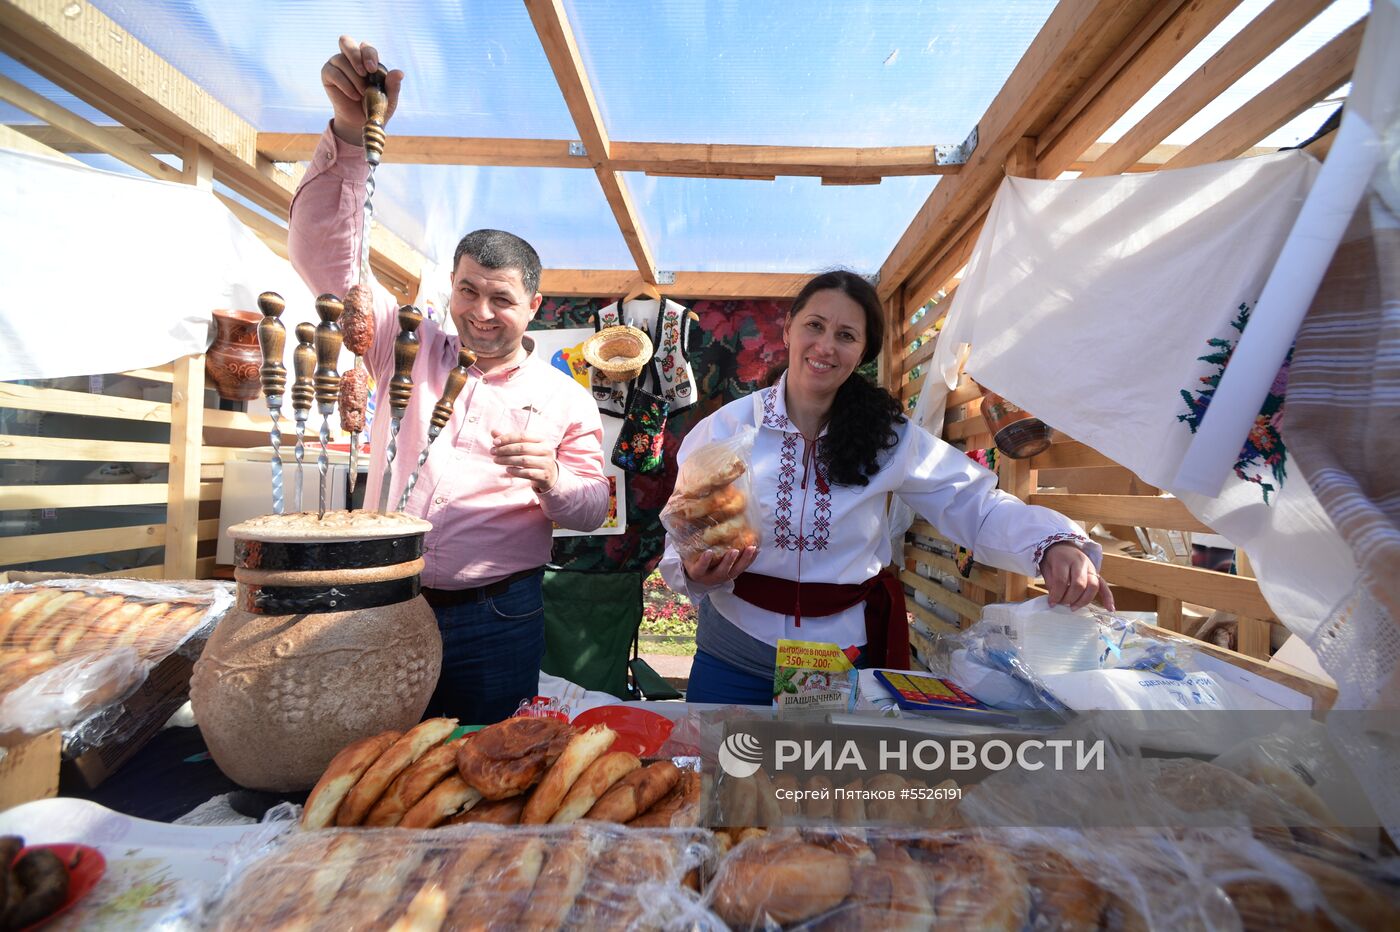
x: 638, y: 731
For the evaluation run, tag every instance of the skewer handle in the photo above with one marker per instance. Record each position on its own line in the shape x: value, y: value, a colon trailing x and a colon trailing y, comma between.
x: 442, y: 411
x: 304, y: 364
x: 328, y: 343
x: 405, y: 352
x: 376, y: 113
x: 272, y: 336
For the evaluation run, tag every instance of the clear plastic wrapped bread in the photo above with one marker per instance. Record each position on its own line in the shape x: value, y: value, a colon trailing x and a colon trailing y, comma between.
x: 587, y: 876
x: 712, y: 507
x: 1013, y: 879
x: 70, y: 648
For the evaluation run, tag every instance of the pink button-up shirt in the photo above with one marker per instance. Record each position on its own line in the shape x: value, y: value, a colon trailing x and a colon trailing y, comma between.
x: 486, y: 523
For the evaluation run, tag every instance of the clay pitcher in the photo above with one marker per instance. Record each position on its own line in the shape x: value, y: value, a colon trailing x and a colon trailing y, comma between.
x: 1015, y: 431
x: 329, y: 642
x: 232, y: 360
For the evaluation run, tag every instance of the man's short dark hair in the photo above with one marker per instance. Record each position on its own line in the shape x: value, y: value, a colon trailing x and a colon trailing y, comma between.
x: 497, y: 249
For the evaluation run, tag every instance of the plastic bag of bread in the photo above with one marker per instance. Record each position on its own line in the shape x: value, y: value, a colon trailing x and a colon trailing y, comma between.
x: 72, y: 649
x: 712, y: 507
x: 586, y: 876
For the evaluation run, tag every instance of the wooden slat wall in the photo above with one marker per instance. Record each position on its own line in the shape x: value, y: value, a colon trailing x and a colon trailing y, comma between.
x: 1109, y: 74
x: 191, y: 494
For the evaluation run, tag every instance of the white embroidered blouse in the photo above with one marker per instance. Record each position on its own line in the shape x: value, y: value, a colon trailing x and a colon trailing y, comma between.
x: 812, y: 531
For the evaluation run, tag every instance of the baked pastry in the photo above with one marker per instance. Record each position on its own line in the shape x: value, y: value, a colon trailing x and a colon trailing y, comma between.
x: 561, y: 878
x: 635, y: 793
x: 509, y: 757
x: 679, y: 808
x: 977, y: 884
x: 779, y: 879
x: 710, y: 468
x: 413, y: 784
x: 446, y: 799
x: 492, y: 812
x: 593, y: 783
x: 1061, y: 896
x: 582, y: 750
x: 341, y: 775
x: 394, y: 761
x: 722, y: 503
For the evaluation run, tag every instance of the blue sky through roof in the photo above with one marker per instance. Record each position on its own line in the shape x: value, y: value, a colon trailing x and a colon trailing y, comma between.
x: 474, y: 68
x: 787, y: 225
x: 800, y: 72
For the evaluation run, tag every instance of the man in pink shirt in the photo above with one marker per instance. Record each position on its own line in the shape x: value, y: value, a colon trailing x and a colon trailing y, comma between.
x: 524, y: 445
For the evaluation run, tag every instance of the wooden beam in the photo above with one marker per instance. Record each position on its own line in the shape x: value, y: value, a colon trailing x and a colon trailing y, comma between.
x: 557, y: 37
x: 1135, y: 510
x: 63, y: 141
x: 979, y: 575
x: 692, y: 160
x: 1153, y: 160
x: 1233, y: 61
x: 1310, y: 81
x: 11, y: 137
x: 1131, y: 44
x: 926, y: 284
x: 98, y: 137
x: 592, y: 283
x: 1201, y: 587
x: 80, y: 450
x: 1076, y: 38
x: 35, y: 548
x: 79, y: 48
x: 933, y: 623
x: 1182, y: 32
x: 1071, y: 455
x: 935, y: 591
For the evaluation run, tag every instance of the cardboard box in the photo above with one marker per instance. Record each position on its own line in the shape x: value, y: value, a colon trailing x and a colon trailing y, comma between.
x: 143, y: 715
x: 29, y: 771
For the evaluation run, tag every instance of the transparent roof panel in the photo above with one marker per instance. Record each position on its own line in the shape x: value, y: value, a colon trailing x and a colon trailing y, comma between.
x: 21, y: 75
x: 473, y: 69
x: 787, y: 225
x: 1323, y: 28
x: 800, y: 72
x: 561, y: 211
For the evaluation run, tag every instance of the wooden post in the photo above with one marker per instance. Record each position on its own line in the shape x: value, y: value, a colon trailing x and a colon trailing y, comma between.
x: 1252, y: 637
x: 1015, y: 476
x: 186, y: 438
x: 199, y: 166
x: 1169, y: 613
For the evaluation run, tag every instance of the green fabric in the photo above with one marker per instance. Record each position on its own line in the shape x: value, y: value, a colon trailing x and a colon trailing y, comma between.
x: 650, y: 684
x: 590, y: 620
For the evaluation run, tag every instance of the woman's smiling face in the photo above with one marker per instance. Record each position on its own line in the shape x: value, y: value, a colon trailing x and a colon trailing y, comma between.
x: 825, y: 341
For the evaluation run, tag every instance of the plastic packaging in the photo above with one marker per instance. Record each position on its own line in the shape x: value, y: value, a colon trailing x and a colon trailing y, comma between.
x: 1139, y: 879
x: 712, y: 508
x: 71, y: 650
x: 475, y: 876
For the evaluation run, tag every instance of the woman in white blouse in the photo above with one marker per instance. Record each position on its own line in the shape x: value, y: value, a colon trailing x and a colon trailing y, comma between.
x: 829, y: 448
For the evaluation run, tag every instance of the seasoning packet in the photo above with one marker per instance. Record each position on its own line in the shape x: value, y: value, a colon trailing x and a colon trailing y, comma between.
x: 814, y: 675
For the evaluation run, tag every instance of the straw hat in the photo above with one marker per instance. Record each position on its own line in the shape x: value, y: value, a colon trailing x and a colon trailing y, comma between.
x: 618, y: 353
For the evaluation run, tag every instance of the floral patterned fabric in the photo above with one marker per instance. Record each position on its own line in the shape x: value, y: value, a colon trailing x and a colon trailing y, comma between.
x: 732, y: 349
x: 639, y: 447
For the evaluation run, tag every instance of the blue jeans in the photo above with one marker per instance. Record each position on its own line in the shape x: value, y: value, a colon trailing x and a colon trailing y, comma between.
x: 713, y: 680
x: 491, y: 654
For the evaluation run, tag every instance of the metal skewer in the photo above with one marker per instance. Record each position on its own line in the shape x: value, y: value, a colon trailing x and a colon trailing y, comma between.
x: 272, y: 336
x: 376, y: 102
x: 400, y: 389
x: 303, y: 393
x: 442, y: 413
x: 327, y: 379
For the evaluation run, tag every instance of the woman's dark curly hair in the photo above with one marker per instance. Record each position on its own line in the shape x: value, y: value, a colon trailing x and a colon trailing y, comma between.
x: 863, y: 414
